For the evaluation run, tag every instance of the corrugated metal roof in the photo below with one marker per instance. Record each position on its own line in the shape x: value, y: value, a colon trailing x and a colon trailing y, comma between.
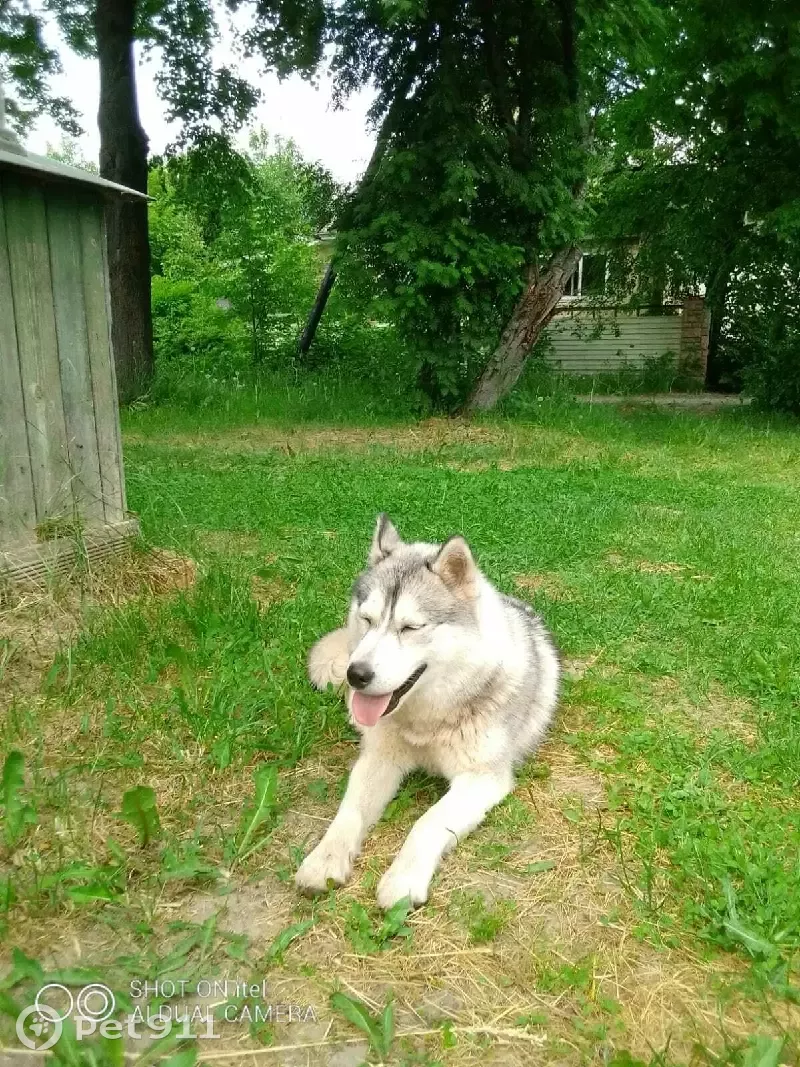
x: 13, y: 155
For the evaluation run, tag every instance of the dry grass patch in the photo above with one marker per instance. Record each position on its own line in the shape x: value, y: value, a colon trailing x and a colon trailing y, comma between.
x: 39, y: 620
x: 567, y: 972
x: 229, y: 542
x: 552, y: 585
x: 679, y: 571
x: 269, y: 591
x: 513, y: 446
x: 717, y: 710
x: 432, y: 433
x: 565, y: 975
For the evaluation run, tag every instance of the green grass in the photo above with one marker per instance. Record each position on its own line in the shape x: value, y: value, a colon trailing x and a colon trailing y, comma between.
x: 332, y: 398
x: 662, y: 550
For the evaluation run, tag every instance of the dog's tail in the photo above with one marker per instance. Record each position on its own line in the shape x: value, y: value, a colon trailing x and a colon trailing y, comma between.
x: 327, y: 660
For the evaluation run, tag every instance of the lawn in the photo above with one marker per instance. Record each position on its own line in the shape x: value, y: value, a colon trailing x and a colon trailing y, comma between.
x: 636, y: 899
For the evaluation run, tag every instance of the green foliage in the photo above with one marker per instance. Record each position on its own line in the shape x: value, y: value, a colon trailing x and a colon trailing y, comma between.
x: 470, y: 181
x: 378, y: 1029
x: 482, y: 920
x: 27, y: 63
x: 763, y: 1052
x: 366, y: 938
x: 17, y: 813
x: 762, y: 334
x: 702, y: 165
x: 197, y: 93
x: 139, y: 809
x: 487, y: 123
x: 287, y: 937
x: 198, y: 343
x: 236, y: 263
x: 69, y: 151
x: 260, y: 811
x: 86, y: 884
x: 239, y: 231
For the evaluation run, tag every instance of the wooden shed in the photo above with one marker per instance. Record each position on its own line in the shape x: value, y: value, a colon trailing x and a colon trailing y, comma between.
x: 62, y: 488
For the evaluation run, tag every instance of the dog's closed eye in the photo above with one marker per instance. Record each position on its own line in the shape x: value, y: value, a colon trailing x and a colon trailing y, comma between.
x: 410, y: 628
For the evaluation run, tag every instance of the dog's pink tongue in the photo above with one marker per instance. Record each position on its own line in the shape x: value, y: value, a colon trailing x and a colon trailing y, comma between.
x: 367, y: 710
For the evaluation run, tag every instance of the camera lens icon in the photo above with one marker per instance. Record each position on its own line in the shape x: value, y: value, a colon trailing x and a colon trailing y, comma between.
x: 54, y: 991
x: 95, y: 1002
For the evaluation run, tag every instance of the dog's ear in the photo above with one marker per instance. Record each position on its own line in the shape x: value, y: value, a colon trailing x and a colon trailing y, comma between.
x: 456, y: 567
x: 384, y: 541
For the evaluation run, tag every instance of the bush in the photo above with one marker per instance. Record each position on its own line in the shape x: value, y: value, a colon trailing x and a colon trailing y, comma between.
x: 234, y: 261
x: 762, y: 334
x: 771, y: 373
x: 196, y: 336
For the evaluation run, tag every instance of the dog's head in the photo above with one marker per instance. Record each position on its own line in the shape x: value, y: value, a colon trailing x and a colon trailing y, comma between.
x: 412, y: 612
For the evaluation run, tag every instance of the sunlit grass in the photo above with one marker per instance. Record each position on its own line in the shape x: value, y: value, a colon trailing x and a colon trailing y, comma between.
x: 661, y: 549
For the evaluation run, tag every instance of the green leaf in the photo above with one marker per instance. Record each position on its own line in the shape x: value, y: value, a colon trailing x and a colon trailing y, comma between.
x: 394, y: 921
x: 357, y: 1013
x: 8, y: 1006
x: 208, y: 930
x: 79, y: 872
x: 748, y: 938
x: 286, y: 937
x: 539, y: 866
x: 85, y: 894
x: 236, y: 946
x: 7, y: 894
x: 23, y: 968
x: 388, y: 1024
x: 116, y: 850
x: 139, y: 809
x: 186, y: 1057
x: 359, y: 929
x: 15, y: 811
x: 763, y: 1052
x: 262, y: 808
x: 113, y: 1051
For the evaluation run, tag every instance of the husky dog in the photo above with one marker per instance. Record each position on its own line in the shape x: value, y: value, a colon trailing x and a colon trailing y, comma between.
x: 442, y: 672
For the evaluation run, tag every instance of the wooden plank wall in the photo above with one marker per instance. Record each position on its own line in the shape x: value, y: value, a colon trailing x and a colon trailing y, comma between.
x: 17, y: 505
x: 60, y: 455
x: 104, y: 382
x: 591, y: 342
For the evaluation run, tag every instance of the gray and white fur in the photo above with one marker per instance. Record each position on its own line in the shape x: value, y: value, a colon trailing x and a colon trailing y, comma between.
x: 442, y: 672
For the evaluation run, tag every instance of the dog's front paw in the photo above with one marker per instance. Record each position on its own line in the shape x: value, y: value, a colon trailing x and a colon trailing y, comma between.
x: 403, y: 880
x: 327, y: 660
x: 329, y: 862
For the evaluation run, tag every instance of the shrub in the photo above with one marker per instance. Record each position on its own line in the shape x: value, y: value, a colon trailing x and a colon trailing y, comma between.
x: 197, y: 337
x: 762, y: 335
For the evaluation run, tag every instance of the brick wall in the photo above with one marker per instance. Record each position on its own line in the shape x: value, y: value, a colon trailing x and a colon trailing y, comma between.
x: 693, y: 353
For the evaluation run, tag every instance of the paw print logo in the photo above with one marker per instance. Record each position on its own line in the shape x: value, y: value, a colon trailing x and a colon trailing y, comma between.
x: 39, y: 1027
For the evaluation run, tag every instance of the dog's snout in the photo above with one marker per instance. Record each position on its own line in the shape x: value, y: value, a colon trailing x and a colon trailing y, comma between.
x: 359, y: 675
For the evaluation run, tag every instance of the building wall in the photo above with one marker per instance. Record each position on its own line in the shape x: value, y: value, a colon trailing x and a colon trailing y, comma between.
x: 60, y: 456
x: 695, y: 327
x: 591, y: 341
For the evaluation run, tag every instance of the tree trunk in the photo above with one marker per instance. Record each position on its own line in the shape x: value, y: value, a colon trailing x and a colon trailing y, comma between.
x: 389, y: 124
x: 123, y: 159
x: 716, y: 298
x: 533, y: 311
x: 307, y: 336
